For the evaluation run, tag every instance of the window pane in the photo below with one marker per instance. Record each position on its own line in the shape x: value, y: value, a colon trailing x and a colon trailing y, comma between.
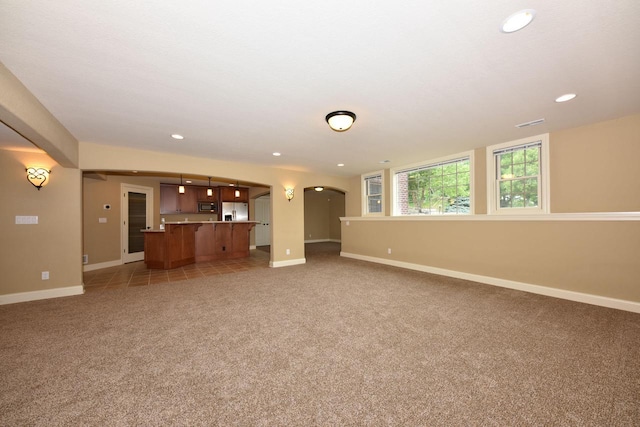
x: 532, y: 168
x: 505, y: 194
x: 375, y: 204
x: 506, y: 172
x: 506, y: 159
x: 433, y: 189
x: 518, y: 156
x: 532, y: 154
x: 518, y: 170
x: 517, y: 186
x: 517, y: 201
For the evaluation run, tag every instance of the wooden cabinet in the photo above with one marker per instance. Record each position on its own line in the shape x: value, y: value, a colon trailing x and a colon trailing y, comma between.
x: 172, y: 202
x: 228, y: 194
x: 185, y: 243
x: 201, y: 194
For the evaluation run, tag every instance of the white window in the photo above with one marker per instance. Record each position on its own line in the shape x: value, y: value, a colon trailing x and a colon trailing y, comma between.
x: 439, y: 187
x: 372, y: 190
x: 518, y: 176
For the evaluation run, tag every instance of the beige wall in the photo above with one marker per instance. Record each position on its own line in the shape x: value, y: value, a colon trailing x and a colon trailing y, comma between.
x: 322, y: 212
x: 55, y: 243
x: 593, y: 169
x: 102, y: 241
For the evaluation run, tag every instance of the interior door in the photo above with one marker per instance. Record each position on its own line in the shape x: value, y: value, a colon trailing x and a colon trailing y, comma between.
x: 137, y: 214
x: 263, y: 214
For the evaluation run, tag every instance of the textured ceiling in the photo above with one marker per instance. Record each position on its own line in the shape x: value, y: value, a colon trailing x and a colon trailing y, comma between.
x: 243, y: 79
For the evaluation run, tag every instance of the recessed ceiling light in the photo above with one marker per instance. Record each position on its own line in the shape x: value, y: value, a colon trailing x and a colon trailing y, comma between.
x: 188, y: 181
x: 518, y: 21
x: 276, y: 154
x: 384, y: 161
x: 176, y: 136
x: 340, y: 165
x: 566, y: 97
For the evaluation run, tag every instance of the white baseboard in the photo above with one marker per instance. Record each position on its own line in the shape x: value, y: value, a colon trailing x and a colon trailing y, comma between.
x: 252, y: 247
x: 520, y: 286
x: 43, y: 294
x: 323, y: 240
x: 100, y: 265
x: 288, y: 263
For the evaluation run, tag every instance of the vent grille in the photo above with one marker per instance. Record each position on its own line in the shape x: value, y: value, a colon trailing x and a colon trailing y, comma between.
x: 531, y: 123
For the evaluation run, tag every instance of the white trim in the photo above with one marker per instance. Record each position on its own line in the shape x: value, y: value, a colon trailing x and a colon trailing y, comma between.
x: 545, y: 187
x: 587, y: 216
x: 252, y: 247
x: 43, y: 294
x: 100, y: 265
x: 287, y: 263
x: 394, y: 185
x: 323, y: 240
x: 510, y: 284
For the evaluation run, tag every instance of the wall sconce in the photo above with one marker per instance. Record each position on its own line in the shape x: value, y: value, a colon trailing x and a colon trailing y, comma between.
x: 38, y: 177
x: 209, y: 190
x: 181, y: 187
x: 288, y: 192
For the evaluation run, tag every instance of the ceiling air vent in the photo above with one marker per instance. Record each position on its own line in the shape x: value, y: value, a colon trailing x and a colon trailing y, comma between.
x: 531, y: 123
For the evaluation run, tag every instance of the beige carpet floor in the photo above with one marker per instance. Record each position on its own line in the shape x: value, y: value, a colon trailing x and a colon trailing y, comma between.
x: 332, y: 342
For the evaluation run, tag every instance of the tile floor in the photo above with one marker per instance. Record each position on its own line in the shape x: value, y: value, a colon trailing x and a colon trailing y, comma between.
x: 137, y: 273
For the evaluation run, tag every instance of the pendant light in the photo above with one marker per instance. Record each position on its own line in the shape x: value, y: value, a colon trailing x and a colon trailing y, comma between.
x: 181, y: 187
x: 209, y: 190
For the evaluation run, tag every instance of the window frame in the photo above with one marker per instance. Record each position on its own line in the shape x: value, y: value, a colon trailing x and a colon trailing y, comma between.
x: 431, y: 163
x: 365, y: 196
x: 493, y: 205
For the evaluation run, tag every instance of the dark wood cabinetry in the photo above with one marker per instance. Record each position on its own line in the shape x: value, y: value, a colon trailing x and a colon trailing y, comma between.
x: 228, y: 194
x: 172, y: 202
x: 185, y: 243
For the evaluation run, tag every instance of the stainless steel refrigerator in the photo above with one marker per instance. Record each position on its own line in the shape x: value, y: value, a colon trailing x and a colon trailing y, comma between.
x: 234, y: 211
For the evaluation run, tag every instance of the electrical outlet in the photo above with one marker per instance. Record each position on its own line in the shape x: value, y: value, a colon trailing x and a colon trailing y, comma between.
x: 288, y: 252
x: 85, y: 259
x: 45, y: 275
x: 389, y: 251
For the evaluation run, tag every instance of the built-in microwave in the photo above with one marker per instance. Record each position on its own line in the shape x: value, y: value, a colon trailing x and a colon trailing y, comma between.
x: 208, y: 207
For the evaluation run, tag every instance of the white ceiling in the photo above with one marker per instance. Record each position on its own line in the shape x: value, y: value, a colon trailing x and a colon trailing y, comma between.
x: 242, y: 79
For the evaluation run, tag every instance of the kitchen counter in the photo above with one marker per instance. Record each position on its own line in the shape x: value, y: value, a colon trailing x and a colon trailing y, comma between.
x: 186, y: 242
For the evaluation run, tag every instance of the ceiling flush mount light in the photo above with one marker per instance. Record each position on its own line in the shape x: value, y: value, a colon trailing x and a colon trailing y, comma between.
x: 176, y: 136
x: 209, y: 190
x: 566, y: 97
x: 340, y: 165
x: 276, y: 154
x: 518, y: 21
x: 288, y: 193
x: 181, y: 187
x: 38, y: 177
x: 340, y: 121
x: 318, y: 188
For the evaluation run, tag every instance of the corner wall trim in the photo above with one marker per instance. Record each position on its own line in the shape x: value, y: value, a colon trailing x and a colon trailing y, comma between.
x: 288, y: 263
x: 98, y: 266
x: 43, y: 294
x: 510, y: 284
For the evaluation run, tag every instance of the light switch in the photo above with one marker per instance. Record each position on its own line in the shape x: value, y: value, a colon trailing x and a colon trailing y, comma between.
x: 102, y: 220
x: 21, y: 219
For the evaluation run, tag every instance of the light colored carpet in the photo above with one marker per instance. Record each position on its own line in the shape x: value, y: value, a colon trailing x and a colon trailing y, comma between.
x: 333, y: 342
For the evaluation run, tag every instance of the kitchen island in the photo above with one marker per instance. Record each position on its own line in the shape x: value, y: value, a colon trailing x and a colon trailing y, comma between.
x: 188, y: 242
